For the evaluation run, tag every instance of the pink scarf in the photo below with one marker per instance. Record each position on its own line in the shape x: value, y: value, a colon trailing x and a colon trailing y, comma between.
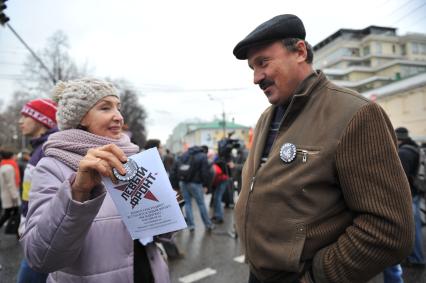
x: 70, y: 146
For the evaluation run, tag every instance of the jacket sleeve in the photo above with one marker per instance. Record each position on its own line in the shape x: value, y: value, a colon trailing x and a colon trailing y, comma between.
x: 56, y: 225
x: 10, y: 185
x: 408, y: 160
x: 376, y: 190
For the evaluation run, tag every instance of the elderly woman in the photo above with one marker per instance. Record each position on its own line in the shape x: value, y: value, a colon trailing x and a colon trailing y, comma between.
x: 73, y: 230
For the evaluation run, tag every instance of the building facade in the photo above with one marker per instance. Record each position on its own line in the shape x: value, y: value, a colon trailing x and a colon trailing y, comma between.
x: 188, y: 134
x: 405, y: 103
x: 382, y: 66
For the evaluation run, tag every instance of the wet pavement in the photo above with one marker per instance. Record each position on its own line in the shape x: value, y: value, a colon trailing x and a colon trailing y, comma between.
x: 208, y: 257
x: 10, y: 257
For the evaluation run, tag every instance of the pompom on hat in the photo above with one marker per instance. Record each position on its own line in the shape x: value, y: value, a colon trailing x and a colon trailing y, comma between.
x: 76, y: 97
x: 43, y: 110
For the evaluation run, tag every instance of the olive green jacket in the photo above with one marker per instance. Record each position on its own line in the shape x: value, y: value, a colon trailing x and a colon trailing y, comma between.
x: 342, y: 207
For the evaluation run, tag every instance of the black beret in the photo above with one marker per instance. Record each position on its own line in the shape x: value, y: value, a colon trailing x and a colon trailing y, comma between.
x: 277, y: 28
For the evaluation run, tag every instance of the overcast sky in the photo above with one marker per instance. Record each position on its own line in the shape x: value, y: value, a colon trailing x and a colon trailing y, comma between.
x: 177, y: 54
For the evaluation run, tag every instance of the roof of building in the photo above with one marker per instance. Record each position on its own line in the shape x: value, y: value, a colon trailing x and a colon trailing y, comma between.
x: 361, y: 82
x: 358, y: 33
x: 217, y: 124
x: 341, y: 72
x: 398, y: 86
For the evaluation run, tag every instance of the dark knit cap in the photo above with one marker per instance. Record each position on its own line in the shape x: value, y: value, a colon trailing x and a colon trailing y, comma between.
x: 277, y: 28
x: 401, y: 133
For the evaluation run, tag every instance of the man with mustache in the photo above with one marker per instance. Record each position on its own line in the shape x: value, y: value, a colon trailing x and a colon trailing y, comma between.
x: 324, y: 196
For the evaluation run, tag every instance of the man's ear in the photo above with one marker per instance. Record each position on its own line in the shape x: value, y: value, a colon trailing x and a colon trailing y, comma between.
x: 302, y: 51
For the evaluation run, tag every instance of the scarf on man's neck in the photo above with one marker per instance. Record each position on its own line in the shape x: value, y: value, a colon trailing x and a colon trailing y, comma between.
x: 70, y: 146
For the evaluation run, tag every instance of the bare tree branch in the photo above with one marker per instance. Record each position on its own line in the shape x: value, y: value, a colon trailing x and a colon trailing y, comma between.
x: 57, y: 59
x: 133, y: 113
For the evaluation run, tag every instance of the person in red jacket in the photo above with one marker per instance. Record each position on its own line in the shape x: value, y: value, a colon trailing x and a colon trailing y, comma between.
x: 9, y: 186
x: 220, y: 183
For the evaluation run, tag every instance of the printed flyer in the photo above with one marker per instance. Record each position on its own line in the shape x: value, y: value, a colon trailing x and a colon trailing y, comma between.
x: 146, y: 201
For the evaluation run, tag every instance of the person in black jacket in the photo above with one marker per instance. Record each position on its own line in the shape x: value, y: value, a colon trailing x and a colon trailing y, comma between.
x: 195, y: 185
x: 408, y: 152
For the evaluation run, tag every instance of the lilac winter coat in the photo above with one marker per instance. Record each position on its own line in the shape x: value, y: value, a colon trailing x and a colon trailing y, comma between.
x: 79, y: 242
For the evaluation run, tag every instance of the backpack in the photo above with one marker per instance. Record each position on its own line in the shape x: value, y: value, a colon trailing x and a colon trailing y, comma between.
x: 419, y: 181
x: 186, y: 168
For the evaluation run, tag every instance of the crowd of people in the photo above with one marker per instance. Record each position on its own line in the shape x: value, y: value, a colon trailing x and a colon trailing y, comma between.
x: 328, y: 192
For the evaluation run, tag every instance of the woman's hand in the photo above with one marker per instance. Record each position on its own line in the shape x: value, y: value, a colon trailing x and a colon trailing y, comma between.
x: 96, y: 163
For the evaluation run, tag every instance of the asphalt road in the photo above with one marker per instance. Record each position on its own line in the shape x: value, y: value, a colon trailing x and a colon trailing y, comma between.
x: 208, y: 257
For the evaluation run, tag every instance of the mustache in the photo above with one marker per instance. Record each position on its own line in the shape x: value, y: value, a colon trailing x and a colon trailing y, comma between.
x: 265, y: 83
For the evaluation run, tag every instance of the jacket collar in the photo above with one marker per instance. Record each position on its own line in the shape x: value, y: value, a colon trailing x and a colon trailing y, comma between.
x: 304, y: 89
x: 36, y: 142
x: 301, y: 96
x: 296, y: 103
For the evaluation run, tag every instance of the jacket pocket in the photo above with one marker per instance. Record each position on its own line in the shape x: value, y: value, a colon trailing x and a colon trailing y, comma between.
x: 279, y: 252
x: 297, y: 247
x: 305, y: 153
x: 275, y: 259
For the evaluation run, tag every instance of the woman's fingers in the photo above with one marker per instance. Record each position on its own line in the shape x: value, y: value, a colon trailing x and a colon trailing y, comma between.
x: 116, y: 151
x: 111, y: 154
x: 99, y: 165
x: 96, y: 163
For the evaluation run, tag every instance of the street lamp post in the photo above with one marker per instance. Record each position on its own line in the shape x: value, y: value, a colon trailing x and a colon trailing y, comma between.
x: 223, y: 113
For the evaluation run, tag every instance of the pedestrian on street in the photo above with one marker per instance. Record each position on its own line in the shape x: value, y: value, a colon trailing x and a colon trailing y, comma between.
x: 324, y: 197
x: 155, y: 143
x: 37, y: 122
x: 194, y: 183
x: 168, y: 161
x: 219, y: 186
x: 74, y: 231
x: 9, y: 186
x: 409, y: 153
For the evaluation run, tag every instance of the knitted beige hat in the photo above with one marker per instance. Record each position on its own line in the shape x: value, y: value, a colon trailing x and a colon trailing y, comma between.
x: 75, y: 98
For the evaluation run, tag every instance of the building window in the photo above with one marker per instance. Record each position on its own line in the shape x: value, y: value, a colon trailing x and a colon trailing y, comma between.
x: 366, y: 50
x: 397, y: 76
x: 422, y: 48
x: 415, y: 48
x: 354, y: 52
x: 393, y: 49
x: 378, y: 48
x: 403, y: 50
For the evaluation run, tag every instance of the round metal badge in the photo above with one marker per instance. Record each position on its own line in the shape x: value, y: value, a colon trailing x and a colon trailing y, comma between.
x: 288, y: 152
x: 131, y: 169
